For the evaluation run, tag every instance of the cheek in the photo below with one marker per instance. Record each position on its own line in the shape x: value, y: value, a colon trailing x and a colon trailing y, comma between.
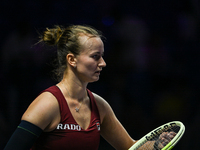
x: 88, y: 66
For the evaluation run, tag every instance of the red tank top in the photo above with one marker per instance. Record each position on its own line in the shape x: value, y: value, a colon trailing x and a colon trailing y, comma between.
x: 69, y: 135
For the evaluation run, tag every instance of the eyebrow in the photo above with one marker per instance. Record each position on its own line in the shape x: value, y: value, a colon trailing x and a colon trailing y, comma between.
x: 99, y: 53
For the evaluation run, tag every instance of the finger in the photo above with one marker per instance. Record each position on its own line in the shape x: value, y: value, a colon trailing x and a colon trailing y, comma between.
x: 167, y: 135
x: 172, y: 133
x: 164, y: 135
x: 164, y: 141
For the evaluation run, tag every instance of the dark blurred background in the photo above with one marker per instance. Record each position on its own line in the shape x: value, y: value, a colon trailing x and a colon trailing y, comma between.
x: 152, y: 54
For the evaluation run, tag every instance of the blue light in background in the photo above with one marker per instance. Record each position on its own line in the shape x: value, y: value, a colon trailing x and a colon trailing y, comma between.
x: 108, y: 20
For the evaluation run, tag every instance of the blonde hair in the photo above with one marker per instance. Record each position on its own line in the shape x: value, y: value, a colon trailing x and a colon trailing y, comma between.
x: 66, y: 40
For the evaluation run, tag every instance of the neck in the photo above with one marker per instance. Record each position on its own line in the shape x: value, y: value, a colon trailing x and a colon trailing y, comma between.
x: 74, y: 90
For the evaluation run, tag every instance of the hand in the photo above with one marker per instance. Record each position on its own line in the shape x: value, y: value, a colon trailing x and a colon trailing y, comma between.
x: 164, y: 139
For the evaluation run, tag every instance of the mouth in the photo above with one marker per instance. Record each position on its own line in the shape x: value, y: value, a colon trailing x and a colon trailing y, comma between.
x: 97, y: 72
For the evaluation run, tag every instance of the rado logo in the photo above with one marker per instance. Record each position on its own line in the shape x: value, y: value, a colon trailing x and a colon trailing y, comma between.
x: 68, y: 127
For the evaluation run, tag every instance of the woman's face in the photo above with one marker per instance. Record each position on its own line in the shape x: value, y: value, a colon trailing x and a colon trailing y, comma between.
x: 89, y: 61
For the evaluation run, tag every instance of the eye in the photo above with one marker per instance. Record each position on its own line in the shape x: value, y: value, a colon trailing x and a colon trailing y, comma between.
x: 96, y: 57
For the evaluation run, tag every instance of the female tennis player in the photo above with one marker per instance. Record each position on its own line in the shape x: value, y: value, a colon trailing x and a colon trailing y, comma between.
x: 68, y: 115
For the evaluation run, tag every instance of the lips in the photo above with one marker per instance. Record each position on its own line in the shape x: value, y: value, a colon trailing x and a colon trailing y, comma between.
x: 98, y: 71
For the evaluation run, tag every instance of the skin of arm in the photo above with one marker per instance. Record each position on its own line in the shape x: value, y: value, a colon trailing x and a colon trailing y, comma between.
x: 111, y: 129
x: 43, y: 112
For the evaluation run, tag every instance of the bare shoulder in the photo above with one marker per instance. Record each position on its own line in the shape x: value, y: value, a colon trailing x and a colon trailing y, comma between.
x: 100, y: 101
x: 43, y: 111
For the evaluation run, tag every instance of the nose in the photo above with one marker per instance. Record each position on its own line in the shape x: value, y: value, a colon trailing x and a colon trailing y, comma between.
x: 102, y: 63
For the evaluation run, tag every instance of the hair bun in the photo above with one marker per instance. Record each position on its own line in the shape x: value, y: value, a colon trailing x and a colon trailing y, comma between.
x: 52, y: 36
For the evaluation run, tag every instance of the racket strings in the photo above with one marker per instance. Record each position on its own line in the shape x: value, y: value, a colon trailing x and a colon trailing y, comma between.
x: 157, y: 140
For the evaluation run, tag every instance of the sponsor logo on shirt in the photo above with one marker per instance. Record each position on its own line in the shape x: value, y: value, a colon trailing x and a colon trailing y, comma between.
x: 68, y: 127
x: 98, y: 126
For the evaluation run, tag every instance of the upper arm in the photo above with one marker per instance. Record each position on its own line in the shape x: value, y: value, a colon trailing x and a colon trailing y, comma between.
x: 43, y: 111
x: 111, y: 129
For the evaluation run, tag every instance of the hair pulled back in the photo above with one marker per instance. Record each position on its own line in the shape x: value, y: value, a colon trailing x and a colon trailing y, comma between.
x: 67, y: 41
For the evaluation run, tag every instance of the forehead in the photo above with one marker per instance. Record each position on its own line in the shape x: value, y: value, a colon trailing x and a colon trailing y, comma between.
x: 91, y: 43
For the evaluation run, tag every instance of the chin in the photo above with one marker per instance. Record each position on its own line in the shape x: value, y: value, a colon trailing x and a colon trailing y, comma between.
x: 94, y: 80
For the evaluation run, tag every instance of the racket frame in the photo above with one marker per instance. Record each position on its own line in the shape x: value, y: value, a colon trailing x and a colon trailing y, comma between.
x: 170, y: 145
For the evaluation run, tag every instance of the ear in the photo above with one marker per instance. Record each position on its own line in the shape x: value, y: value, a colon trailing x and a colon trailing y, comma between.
x: 71, y: 59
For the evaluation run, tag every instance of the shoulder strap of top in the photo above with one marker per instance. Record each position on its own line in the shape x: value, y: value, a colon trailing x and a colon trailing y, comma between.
x: 59, y: 96
x: 94, y: 104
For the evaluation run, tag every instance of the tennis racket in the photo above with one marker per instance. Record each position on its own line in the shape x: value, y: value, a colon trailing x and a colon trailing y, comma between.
x: 152, y: 140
